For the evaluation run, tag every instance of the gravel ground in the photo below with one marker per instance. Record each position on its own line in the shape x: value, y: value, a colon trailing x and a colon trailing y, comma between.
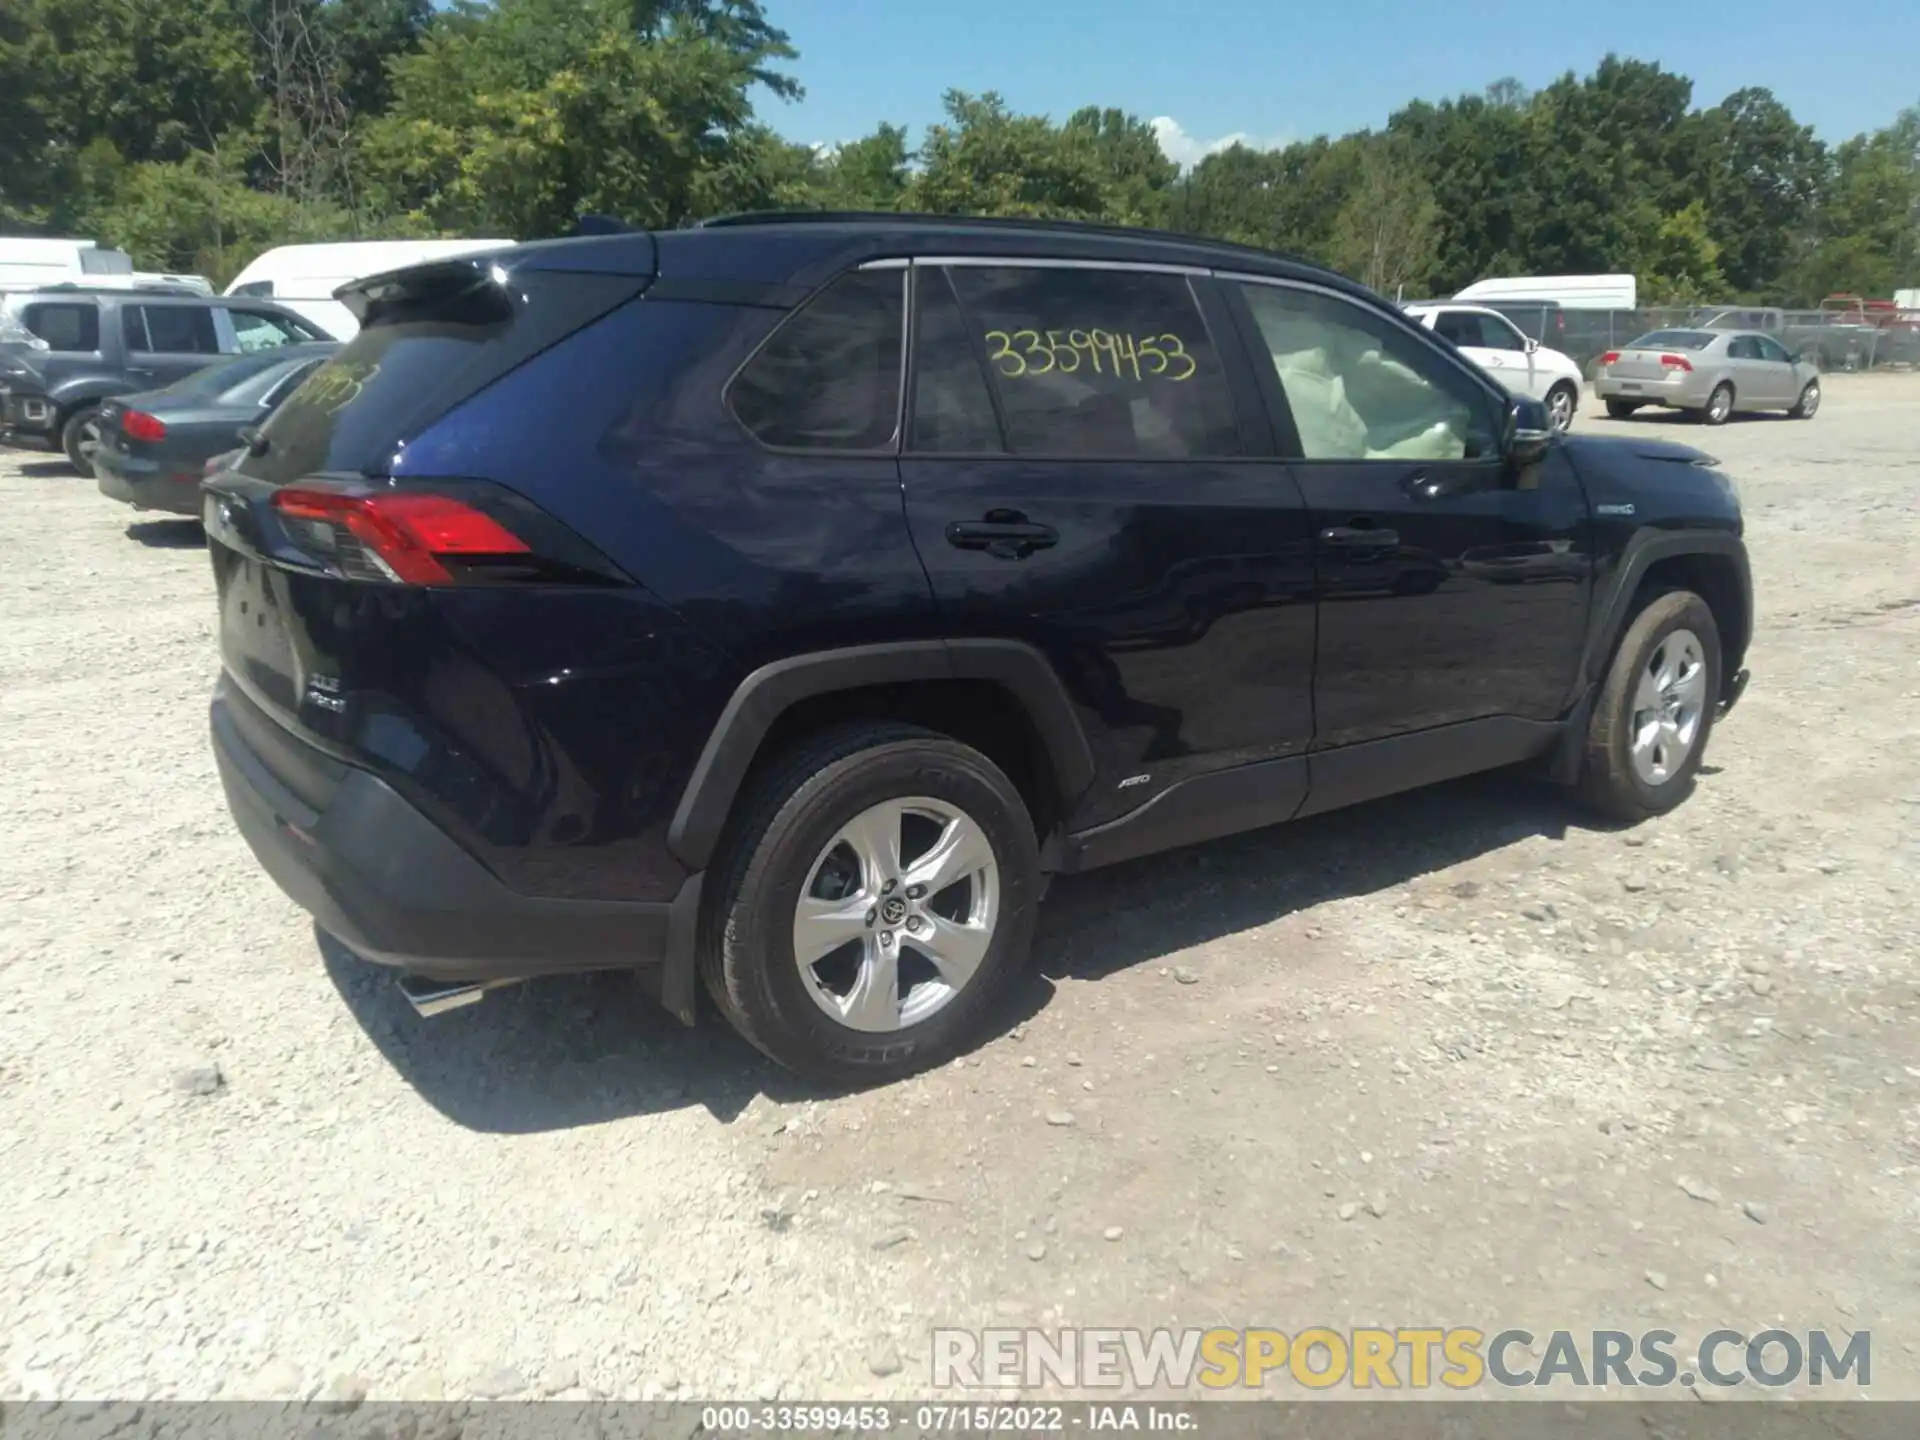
x: 1453, y: 1058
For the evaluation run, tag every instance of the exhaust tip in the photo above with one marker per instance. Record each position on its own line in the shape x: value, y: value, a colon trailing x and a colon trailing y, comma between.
x: 437, y: 997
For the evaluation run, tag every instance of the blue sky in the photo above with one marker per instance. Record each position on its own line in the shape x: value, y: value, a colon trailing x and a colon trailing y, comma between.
x: 1273, y: 70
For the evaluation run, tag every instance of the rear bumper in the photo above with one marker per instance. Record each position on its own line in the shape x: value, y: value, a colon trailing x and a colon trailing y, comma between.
x: 391, y: 885
x: 143, y: 485
x: 1681, y: 389
x: 28, y: 418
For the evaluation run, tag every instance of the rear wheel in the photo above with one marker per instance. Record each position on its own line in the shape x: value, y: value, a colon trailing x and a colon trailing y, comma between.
x: 1655, y: 711
x: 1719, y: 406
x: 877, y: 896
x: 1809, y: 402
x: 1622, y: 409
x: 1562, y: 402
x: 80, y: 438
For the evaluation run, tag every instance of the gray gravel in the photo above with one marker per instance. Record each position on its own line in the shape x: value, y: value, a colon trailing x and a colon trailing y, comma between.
x: 1457, y: 1058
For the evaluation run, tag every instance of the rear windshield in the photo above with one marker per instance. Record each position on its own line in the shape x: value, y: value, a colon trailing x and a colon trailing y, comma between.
x: 1673, y: 340
x: 218, y: 379
x: 413, y: 363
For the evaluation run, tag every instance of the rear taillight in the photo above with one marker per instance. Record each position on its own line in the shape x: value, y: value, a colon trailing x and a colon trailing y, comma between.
x: 138, y: 425
x: 432, y: 532
x: 400, y: 537
x: 1609, y: 357
x: 1675, y: 362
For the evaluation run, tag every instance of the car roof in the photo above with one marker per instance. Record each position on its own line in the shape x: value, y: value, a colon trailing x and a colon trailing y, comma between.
x: 1427, y: 307
x: 806, y: 248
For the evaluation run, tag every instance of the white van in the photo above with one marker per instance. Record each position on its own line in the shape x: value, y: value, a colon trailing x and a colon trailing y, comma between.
x: 304, y: 277
x: 27, y: 263
x: 1570, y: 292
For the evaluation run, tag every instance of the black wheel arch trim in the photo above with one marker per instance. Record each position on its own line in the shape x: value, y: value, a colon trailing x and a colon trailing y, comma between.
x: 763, y: 696
x: 1646, y: 549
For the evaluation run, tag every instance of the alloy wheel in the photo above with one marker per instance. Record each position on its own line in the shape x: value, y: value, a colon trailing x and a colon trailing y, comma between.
x: 1560, y: 406
x: 1668, y: 707
x: 897, y: 914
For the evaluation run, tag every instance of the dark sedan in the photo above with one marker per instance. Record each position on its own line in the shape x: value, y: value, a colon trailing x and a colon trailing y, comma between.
x: 154, y: 447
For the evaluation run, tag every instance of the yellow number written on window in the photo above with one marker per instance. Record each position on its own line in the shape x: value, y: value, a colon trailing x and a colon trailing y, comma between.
x: 1020, y: 353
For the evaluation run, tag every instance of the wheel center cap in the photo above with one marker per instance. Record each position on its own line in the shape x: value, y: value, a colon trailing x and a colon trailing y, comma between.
x: 893, y: 910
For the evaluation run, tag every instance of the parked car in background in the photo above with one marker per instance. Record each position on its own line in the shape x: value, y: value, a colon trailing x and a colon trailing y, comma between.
x: 777, y: 603
x: 304, y: 277
x: 29, y: 262
x: 1713, y: 373
x: 66, y: 351
x: 154, y: 447
x: 1517, y: 361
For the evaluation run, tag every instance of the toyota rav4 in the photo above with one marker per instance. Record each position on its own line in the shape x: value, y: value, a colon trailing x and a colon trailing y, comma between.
x: 775, y: 605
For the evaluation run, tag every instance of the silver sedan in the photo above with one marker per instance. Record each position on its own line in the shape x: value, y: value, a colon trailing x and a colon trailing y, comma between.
x: 1712, y: 373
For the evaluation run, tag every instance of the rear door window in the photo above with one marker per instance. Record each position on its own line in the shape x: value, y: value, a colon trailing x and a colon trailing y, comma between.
x: 178, y: 330
x: 1098, y: 363
x: 64, y: 327
x: 829, y: 377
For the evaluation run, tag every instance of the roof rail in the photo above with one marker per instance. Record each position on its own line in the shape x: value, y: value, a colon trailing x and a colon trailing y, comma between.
x: 993, y: 222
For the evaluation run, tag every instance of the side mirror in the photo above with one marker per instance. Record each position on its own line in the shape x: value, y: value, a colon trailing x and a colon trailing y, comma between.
x: 1529, y: 431
x: 1532, y: 345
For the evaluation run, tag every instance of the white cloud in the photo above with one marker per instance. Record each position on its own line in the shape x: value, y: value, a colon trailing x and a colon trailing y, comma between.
x: 1186, y: 150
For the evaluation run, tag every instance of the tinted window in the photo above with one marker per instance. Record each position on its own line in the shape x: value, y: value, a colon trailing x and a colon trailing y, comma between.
x: 829, y: 377
x: 64, y: 327
x: 179, y: 329
x: 254, y: 388
x: 1112, y: 363
x: 256, y: 330
x: 1743, y: 347
x: 1466, y: 327
x: 1361, y: 388
x: 1771, y: 349
x: 217, y: 379
x: 1673, y: 340
x: 258, y: 289
x: 423, y: 351
x: 952, y: 408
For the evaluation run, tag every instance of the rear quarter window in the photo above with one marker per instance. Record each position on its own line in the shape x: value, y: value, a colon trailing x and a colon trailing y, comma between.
x: 829, y: 377
x: 63, y: 326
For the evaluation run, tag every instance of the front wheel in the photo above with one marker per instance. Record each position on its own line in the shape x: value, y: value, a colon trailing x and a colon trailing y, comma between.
x: 80, y: 438
x: 1808, y: 404
x: 1563, y: 401
x: 1650, y: 725
x: 877, y: 896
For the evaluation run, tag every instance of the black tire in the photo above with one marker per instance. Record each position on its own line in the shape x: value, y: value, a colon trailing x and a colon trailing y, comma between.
x: 1716, y: 414
x: 791, y: 814
x: 1572, y: 397
x: 1608, y: 780
x: 71, y: 435
x: 1808, y: 404
x: 1622, y: 409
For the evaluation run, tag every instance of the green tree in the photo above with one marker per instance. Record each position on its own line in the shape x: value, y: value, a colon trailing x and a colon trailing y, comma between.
x: 1763, y: 173
x: 1384, y: 234
x: 1135, y: 172
x: 986, y: 160
x: 866, y: 174
x: 1868, y: 241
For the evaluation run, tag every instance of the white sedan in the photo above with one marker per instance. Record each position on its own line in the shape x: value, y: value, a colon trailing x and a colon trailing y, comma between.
x: 1495, y: 344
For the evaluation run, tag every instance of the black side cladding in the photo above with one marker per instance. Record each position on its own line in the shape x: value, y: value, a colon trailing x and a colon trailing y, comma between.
x: 433, y: 337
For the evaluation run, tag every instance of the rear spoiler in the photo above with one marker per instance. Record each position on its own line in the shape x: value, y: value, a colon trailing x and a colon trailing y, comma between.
x: 470, y: 278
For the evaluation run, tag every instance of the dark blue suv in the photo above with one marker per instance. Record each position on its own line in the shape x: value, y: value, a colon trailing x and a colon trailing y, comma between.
x: 782, y: 601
